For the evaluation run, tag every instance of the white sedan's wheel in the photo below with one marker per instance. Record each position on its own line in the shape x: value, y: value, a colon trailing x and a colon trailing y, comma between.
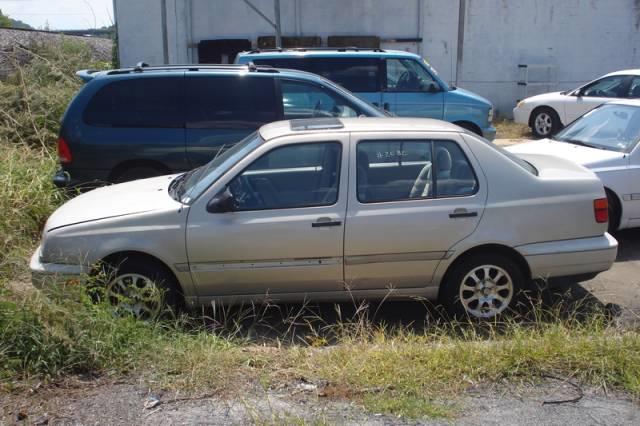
x: 486, y: 291
x: 545, y: 122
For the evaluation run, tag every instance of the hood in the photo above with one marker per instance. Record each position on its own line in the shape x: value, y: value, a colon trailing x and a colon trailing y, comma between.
x: 545, y: 97
x: 124, y: 199
x: 583, y: 155
x: 463, y: 94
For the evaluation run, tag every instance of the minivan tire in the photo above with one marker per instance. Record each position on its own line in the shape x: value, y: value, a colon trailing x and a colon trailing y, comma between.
x: 155, y: 288
x: 468, y: 294
x: 544, y: 122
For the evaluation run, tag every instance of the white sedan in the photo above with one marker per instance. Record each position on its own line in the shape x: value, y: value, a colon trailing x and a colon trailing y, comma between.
x: 550, y: 112
x: 604, y: 140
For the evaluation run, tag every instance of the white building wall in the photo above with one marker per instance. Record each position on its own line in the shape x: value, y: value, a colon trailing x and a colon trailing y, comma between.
x: 579, y: 39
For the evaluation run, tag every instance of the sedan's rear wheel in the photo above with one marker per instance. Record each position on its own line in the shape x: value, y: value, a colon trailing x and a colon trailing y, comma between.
x: 483, y: 287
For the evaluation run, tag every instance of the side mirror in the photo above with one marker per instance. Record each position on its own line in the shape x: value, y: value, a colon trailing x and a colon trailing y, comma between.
x: 222, y: 203
x: 432, y: 88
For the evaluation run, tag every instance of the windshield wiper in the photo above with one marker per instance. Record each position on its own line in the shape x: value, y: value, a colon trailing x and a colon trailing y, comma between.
x: 176, y: 187
x: 577, y: 142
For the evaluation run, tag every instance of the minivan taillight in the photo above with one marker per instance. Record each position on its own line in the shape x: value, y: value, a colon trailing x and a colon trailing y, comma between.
x: 64, y: 153
x: 601, y: 210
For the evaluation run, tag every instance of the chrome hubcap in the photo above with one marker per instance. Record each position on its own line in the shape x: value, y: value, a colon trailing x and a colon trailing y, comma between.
x: 136, y: 295
x: 543, y: 123
x: 486, y: 291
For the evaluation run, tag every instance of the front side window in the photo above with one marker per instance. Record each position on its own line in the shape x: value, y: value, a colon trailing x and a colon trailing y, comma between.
x: 407, y: 75
x: 611, y: 127
x: 304, y: 100
x: 230, y: 102
x: 608, y: 87
x: 141, y: 102
x: 408, y: 170
x: 292, y: 176
x: 634, y: 88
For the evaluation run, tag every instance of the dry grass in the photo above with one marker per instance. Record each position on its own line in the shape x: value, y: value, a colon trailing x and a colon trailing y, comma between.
x: 507, y: 129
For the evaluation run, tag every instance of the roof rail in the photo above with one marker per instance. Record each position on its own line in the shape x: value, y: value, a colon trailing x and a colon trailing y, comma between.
x: 143, y: 67
x: 312, y: 49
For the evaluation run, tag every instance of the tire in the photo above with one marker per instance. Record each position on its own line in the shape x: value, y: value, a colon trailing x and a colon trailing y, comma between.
x: 141, y: 288
x: 470, y: 127
x: 467, y: 297
x: 614, y: 212
x: 544, y: 122
x: 135, y: 173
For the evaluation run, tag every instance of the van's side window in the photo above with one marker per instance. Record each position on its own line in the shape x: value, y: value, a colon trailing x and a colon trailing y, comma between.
x: 407, y: 75
x: 304, y: 100
x: 233, y: 102
x: 354, y: 74
x: 398, y: 170
x: 143, y: 102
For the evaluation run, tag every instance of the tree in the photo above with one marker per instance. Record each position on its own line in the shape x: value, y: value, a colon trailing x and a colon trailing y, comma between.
x: 5, y: 22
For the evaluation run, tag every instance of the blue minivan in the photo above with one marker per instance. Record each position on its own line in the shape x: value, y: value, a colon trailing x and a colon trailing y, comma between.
x: 400, y: 82
x: 140, y: 122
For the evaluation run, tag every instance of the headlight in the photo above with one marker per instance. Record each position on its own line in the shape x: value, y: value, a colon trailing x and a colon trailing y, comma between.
x: 490, y: 115
x: 520, y: 104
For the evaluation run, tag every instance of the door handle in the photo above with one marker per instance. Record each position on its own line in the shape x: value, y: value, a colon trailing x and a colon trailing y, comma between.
x: 462, y: 213
x: 324, y: 222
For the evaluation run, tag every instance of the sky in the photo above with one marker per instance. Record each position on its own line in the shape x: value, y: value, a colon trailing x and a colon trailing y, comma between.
x: 60, y: 14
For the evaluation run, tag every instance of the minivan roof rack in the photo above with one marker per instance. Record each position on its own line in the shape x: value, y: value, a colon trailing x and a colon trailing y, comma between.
x: 316, y: 49
x: 143, y: 67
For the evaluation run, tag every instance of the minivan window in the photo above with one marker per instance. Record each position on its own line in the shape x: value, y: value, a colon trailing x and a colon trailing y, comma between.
x: 407, y: 75
x: 304, y: 100
x: 141, y: 102
x: 354, y: 74
x: 231, y: 102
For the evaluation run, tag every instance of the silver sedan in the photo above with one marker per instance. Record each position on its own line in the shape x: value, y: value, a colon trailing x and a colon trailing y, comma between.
x: 335, y: 209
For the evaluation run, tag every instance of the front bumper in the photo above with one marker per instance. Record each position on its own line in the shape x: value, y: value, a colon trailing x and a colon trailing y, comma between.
x: 579, y: 257
x: 489, y: 133
x: 45, y: 274
x: 521, y: 115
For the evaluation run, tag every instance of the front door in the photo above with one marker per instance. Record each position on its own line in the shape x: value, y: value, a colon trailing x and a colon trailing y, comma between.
x: 410, y: 91
x: 411, y: 199
x: 286, y: 232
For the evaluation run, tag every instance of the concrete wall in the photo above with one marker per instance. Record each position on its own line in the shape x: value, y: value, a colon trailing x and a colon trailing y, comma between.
x: 577, y: 39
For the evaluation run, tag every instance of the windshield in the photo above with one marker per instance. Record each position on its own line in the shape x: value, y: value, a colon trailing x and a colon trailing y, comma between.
x: 188, y: 186
x: 612, y: 127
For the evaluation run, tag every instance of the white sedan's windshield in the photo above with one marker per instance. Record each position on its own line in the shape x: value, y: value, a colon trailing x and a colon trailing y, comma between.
x: 198, y: 180
x: 612, y: 127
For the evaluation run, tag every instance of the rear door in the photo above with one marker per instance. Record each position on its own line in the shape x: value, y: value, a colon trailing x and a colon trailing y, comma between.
x: 223, y: 109
x: 412, y: 198
x: 410, y: 91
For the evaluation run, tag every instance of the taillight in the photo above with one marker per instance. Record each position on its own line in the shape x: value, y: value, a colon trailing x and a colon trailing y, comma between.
x: 64, y: 153
x: 601, y: 210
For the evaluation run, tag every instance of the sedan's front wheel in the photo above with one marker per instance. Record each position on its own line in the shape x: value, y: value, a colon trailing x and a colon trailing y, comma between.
x: 483, y: 286
x: 545, y: 122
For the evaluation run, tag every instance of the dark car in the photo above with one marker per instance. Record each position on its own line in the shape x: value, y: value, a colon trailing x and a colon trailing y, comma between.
x: 146, y: 121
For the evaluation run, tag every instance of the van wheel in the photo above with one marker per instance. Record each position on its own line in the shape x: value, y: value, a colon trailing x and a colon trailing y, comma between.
x: 141, y: 288
x: 544, y: 122
x: 483, y: 286
x: 135, y: 173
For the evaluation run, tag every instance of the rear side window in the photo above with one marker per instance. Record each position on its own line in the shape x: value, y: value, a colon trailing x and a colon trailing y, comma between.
x: 231, y: 102
x: 354, y: 74
x: 304, y: 100
x: 142, y: 102
x: 400, y: 170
